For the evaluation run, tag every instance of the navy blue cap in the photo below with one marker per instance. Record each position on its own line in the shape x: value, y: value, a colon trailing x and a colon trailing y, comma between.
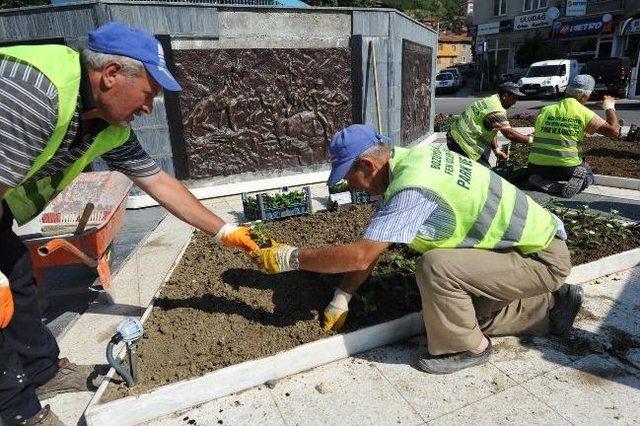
x: 118, y: 39
x: 347, y: 145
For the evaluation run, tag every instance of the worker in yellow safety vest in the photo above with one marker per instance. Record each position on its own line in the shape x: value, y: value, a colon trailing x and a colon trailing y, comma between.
x: 475, y: 133
x: 555, y: 164
x: 59, y: 110
x: 493, y: 260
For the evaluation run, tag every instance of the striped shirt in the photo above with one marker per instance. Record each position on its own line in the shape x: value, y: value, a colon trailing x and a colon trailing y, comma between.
x: 28, y: 115
x: 413, y: 212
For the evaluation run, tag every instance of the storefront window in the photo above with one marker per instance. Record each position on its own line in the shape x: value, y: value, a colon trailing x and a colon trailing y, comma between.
x: 584, y: 49
x: 604, y: 48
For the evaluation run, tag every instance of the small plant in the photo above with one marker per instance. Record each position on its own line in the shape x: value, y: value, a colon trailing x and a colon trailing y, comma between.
x: 258, y: 231
x: 338, y: 187
x: 587, y: 230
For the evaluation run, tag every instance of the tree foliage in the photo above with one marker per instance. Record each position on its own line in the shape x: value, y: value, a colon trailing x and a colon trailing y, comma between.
x: 9, y: 4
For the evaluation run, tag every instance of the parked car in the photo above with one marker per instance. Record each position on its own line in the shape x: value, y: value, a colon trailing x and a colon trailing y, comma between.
x: 548, y: 78
x: 457, y: 74
x: 611, y: 74
x: 446, y: 82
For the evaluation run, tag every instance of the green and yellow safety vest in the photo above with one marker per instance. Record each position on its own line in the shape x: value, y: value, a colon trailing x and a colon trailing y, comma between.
x: 61, y: 65
x: 490, y: 213
x: 469, y: 130
x: 559, y: 131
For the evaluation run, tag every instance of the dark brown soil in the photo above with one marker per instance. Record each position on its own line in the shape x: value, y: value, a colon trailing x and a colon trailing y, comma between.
x: 218, y: 309
x: 612, y: 157
x: 585, y: 255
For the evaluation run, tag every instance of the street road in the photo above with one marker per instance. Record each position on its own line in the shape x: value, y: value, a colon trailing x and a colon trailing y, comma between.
x: 627, y: 110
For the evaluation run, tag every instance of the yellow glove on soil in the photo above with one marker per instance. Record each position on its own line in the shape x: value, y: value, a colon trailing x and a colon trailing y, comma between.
x: 6, y: 301
x: 335, y: 314
x: 236, y: 236
x: 275, y: 259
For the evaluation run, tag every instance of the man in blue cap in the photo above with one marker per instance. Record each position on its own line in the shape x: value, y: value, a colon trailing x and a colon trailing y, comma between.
x: 555, y: 164
x: 59, y: 110
x: 493, y: 260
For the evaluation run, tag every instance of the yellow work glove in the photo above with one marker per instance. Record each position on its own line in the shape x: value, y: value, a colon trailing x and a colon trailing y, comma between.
x: 335, y: 314
x: 277, y: 258
x: 236, y: 236
x: 6, y: 302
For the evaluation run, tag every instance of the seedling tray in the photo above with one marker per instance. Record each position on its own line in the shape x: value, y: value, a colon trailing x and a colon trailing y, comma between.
x: 261, y: 211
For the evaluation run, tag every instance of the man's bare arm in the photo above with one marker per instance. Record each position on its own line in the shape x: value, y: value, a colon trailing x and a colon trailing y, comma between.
x: 175, y: 197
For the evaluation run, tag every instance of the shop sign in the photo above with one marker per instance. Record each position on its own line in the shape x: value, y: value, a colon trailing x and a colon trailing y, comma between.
x: 535, y: 20
x: 633, y: 27
x: 581, y: 27
x: 495, y: 27
x: 576, y: 8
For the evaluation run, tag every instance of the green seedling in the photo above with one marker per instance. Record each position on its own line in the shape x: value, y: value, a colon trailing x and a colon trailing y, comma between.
x: 336, y: 188
x: 258, y: 231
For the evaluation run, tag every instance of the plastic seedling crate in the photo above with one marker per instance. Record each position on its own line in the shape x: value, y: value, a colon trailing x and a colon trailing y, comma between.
x: 340, y: 194
x: 260, y: 209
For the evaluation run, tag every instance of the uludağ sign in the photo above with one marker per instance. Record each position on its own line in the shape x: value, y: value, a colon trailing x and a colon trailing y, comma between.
x: 535, y: 20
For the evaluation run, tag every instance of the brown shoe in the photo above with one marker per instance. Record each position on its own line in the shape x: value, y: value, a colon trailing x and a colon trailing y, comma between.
x: 70, y: 377
x: 44, y: 417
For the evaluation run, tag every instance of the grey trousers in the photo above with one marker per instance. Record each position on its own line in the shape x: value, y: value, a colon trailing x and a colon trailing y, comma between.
x: 470, y: 292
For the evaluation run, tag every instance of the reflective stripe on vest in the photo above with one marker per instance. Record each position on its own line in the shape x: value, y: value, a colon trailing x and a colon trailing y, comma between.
x: 61, y: 66
x: 490, y: 212
x: 469, y: 130
x: 559, y: 131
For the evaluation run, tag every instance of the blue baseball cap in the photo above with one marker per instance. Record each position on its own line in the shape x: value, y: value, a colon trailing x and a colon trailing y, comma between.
x: 118, y: 39
x: 347, y: 145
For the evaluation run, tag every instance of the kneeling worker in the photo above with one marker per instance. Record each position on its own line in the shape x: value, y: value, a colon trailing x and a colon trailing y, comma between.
x: 555, y: 162
x: 493, y: 263
x: 475, y: 133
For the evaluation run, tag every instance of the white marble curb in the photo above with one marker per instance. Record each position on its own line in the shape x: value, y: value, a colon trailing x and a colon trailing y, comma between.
x: 617, y: 182
x: 605, y: 266
x: 188, y: 393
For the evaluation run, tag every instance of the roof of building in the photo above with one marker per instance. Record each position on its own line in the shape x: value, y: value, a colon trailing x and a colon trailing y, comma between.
x: 447, y: 37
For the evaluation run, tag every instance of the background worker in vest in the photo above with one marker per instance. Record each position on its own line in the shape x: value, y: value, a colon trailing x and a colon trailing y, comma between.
x: 494, y: 261
x: 58, y: 111
x: 555, y: 162
x: 475, y: 133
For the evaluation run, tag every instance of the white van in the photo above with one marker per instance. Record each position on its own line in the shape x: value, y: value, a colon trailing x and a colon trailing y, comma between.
x: 548, y: 78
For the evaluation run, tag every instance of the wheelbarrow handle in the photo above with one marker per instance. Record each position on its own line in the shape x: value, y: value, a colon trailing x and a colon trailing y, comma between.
x: 61, y: 243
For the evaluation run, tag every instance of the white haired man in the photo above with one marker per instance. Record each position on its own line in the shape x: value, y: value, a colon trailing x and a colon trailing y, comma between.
x: 555, y: 164
x: 59, y: 110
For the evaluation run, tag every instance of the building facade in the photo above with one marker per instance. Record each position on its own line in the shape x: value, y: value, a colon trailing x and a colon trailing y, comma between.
x: 453, y: 49
x: 583, y: 29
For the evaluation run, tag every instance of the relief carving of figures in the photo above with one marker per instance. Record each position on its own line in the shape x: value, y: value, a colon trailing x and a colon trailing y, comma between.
x: 247, y: 110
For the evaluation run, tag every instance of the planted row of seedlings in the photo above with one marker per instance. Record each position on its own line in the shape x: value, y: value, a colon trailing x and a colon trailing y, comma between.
x: 218, y: 309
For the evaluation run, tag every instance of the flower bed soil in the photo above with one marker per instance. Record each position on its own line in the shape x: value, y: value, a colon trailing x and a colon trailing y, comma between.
x: 218, y: 309
x: 611, y: 157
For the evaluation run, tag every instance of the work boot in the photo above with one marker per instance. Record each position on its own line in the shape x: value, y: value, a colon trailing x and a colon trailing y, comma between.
x: 44, y: 417
x: 547, y: 185
x: 450, y: 363
x: 568, y: 300
x: 574, y: 185
x: 70, y: 378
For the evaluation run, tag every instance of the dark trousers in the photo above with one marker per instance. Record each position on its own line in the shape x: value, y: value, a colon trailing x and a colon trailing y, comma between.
x: 28, y: 350
x: 561, y: 173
